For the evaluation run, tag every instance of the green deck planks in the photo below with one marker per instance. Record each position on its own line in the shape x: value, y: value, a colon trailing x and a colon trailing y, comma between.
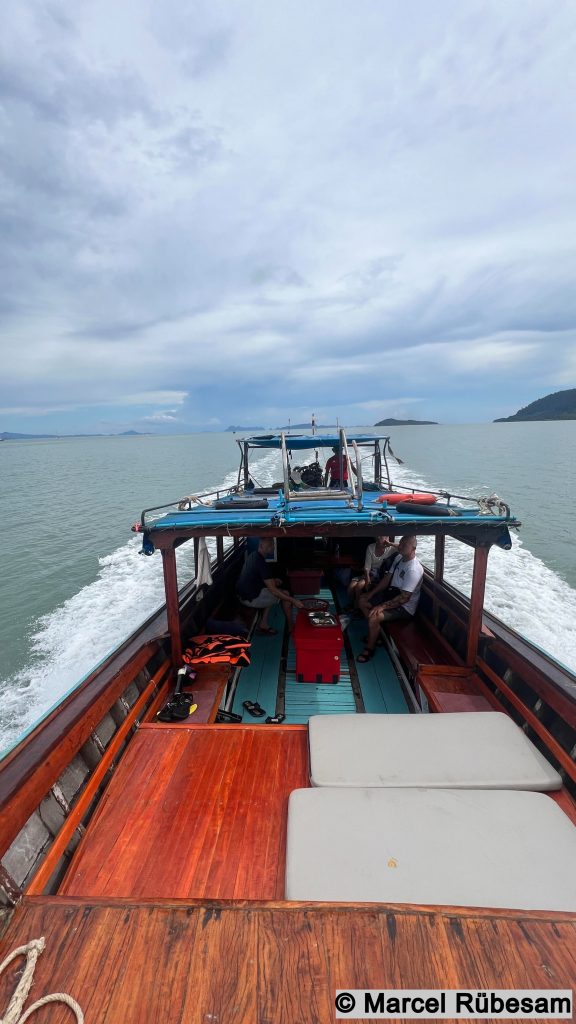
x: 379, y: 683
x: 259, y: 682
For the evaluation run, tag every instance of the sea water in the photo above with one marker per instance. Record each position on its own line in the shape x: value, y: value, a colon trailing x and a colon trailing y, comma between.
x: 74, y: 584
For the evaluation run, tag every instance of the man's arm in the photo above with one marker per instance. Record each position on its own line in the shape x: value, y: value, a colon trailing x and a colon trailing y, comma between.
x: 381, y: 585
x: 282, y: 595
x: 394, y: 602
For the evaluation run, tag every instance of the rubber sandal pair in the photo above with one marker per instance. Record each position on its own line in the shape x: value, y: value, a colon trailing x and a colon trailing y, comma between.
x: 266, y: 631
x: 366, y: 655
x: 253, y: 708
x: 275, y: 719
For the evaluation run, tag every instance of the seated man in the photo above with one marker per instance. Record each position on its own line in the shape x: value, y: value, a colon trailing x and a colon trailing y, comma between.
x: 258, y: 588
x: 337, y: 464
x: 378, y: 559
x: 400, y: 588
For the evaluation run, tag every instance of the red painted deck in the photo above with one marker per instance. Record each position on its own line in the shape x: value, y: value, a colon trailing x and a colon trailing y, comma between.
x: 196, y: 812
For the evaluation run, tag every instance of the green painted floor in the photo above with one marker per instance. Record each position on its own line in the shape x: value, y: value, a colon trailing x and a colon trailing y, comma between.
x: 381, y: 690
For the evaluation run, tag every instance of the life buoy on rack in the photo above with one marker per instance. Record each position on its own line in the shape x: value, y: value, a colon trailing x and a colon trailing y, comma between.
x: 418, y: 508
x: 393, y: 499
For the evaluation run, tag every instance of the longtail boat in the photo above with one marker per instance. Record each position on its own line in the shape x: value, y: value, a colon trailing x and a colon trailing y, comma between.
x: 408, y: 823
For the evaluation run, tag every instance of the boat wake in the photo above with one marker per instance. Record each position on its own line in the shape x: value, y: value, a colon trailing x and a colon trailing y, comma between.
x: 520, y: 589
x: 70, y: 641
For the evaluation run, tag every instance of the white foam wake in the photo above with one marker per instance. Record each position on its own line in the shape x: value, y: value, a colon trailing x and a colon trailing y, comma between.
x: 520, y: 589
x: 69, y: 641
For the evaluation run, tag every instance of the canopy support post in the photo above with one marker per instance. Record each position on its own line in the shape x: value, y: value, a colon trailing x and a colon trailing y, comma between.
x: 172, y: 604
x: 439, y: 551
x: 476, y: 603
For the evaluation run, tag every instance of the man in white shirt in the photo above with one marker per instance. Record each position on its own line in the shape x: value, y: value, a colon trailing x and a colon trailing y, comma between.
x: 377, y: 555
x: 400, y: 589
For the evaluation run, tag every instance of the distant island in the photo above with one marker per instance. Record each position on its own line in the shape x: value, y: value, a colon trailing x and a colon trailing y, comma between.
x: 287, y: 426
x: 236, y: 427
x: 7, y: 436
x: 406, y: 423
x: 560, y: 405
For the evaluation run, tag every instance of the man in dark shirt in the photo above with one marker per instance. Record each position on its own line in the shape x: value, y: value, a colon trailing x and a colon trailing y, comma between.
x: 258, y: 588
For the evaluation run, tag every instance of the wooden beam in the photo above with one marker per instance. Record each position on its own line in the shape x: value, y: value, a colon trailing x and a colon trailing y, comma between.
x: 476, y: 603
x: 172, y: 605
x: 28, y: 772
x: 219, y: 550
x: 439, y: 550
x: 50, y: 862
x: 552, y: 745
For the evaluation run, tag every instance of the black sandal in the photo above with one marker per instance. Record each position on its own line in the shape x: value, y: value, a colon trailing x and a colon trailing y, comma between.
x: 253, y: 708
x: 366, y: 655
x: 275, y: 719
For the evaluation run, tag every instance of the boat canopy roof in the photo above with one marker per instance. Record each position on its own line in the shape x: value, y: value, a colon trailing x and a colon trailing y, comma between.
x: 307, y: 441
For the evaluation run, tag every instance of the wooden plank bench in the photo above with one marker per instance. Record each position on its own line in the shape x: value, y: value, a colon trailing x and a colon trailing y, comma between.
x: 418, y: 643
x: 207, y: 689
x: 442, y: 688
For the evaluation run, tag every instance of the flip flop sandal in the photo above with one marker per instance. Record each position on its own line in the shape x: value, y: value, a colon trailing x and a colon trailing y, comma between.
x: 275, y: 719
x: 253, y: 708
x: 228, y: 716
x: 366, y: 655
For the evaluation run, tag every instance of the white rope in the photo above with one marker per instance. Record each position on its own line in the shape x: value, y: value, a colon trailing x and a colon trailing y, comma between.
x: 14, y: 1013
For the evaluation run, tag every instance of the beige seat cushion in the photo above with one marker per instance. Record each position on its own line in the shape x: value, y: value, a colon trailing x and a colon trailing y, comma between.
x: 461, y: 750
x: 464, y: 847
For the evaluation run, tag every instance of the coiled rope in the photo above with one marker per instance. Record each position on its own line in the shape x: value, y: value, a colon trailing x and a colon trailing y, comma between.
x: 492, y: 505
x: 14, y: 1013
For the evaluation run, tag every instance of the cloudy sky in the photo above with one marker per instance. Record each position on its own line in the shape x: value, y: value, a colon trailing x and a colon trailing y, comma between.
x: 243, y: 211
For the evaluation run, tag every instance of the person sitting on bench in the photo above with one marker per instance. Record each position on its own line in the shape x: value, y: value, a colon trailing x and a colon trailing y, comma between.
x: 400, y: 587
x: 378, y: 559
x: 258, y: 588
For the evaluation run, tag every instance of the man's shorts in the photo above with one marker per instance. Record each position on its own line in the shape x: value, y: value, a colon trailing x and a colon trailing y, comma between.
x: 265, y: 599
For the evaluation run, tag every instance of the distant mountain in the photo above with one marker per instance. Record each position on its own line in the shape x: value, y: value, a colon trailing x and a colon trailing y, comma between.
x: 406, y: 423
x: 287, y: 426
x: 7, y: 436
x: 236, y: 427
x: 560, y: 405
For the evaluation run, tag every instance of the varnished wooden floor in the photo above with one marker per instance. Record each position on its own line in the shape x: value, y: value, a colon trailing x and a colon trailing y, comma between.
x: 271, y: 964
x: 197, y: 812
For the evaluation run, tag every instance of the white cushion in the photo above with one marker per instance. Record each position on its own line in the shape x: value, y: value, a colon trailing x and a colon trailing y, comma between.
x: 463, y: 750
x: 471, y: 847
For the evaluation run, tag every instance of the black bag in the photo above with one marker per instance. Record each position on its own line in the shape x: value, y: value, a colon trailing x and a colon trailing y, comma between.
x: 311, y: 475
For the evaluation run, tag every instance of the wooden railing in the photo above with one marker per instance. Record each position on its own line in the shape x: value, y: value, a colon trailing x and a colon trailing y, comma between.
x: 42, y: 877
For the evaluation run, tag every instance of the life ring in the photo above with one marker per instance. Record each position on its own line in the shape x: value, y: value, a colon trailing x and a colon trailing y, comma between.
x: 393, y: 499
x: 418, y: 508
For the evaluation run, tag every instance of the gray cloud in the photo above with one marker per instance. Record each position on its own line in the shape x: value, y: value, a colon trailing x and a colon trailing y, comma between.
x: 368, y: 206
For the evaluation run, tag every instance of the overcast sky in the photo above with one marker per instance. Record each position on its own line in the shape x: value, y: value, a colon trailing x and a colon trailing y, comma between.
x: 240, y: 212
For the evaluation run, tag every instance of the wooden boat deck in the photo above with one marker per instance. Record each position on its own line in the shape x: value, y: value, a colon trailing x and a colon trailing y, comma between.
x: 186, y: 963
x: 194, y: 812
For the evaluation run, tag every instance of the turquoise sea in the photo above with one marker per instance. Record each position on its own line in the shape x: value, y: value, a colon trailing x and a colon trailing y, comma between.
x: 74, y: 584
